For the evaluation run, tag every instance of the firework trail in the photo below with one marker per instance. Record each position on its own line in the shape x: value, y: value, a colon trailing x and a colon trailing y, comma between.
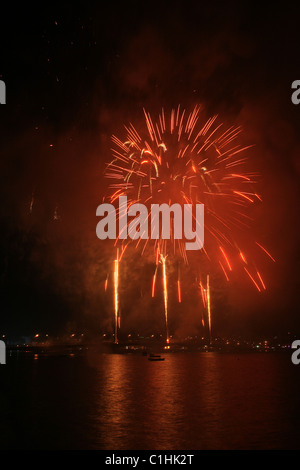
x: 116, y: 295
x: 154, y: 282
x: 179, y: 286
x: 165, y: 287
x: 208, y: 306
x: 206, y: 300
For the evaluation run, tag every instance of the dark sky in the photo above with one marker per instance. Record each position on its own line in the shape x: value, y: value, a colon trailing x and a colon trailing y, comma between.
x: 74, y: 75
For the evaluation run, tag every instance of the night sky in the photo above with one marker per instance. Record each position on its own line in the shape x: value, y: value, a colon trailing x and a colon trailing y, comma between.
x: 74, y: 75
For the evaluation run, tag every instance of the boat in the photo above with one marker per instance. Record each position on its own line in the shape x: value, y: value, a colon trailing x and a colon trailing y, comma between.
x: 155, y: 357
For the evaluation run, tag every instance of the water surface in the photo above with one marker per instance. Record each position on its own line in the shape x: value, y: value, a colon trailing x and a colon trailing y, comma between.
x: 125, y: 402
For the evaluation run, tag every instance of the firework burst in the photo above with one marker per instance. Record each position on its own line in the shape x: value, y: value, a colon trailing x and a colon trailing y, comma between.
x: 181, y: 158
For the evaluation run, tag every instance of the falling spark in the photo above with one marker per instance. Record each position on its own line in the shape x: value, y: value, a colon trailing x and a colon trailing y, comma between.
x: 226, y: 258
x: 267, y: 253
x: 252, y: 279
x: 243, y: 257
x: 261, y: 280
x: 225, y: 273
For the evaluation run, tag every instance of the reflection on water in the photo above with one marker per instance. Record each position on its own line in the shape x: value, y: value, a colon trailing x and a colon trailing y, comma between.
x: 195, y: 401
x: 189, y: 401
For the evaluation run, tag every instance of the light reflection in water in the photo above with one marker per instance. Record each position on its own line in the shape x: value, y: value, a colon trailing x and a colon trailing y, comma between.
x: 188, y: 401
